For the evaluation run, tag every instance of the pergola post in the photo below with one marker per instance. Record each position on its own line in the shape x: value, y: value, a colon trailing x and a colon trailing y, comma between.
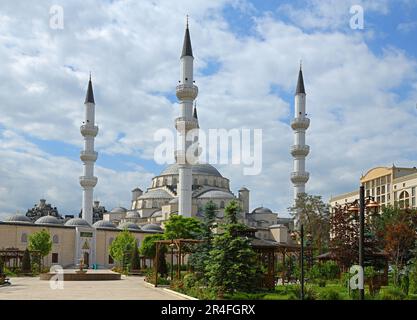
x: 156, y: 263
x: 179, y: 260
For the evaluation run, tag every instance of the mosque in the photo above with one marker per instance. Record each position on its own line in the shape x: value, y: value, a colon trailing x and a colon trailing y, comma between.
x: 181, y: 188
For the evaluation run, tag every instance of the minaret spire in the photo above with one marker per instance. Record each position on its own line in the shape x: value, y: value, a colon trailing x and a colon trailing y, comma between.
x: 300, y: 82
x: 186, y: 93
x: 300, y: 150
x: 88, y: 156
x: 186, y: 47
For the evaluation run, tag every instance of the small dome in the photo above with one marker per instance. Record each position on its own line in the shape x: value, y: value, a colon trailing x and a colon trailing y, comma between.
x: 128, y: 226
x: 118, y: 210
x: 152, y: 227
x: 261, y: 210
x: 77, y: 222
x: 133, y: 214
x: 102, y: 224
x: 49, y: 220
x: 18, y: 218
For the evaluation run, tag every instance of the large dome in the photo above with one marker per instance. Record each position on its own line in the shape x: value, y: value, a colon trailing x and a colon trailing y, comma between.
x: 202, y: 168
x: 102, y: 224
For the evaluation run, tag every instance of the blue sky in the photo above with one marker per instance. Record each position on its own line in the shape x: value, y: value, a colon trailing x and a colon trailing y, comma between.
x: 246, y: 56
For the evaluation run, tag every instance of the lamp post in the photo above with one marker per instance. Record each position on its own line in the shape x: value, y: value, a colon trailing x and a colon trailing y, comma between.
x: 361, y: 239
x: 301, y: 261
x: 371, y: 204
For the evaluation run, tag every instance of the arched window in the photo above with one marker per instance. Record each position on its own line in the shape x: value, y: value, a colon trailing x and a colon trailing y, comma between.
x: 404, y: 199
x: 206, y: 181
x: 222, y: 204
x: 24, y: 238
x: 174, y: 181
x: 195, y: 181
x: 55, y: 238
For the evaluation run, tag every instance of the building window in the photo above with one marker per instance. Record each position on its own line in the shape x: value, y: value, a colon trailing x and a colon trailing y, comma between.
x: 24, y: 238
x: 413, y: 191
x: 110, y: 241
x: 404, y: 199
x: 383, y: 189
x: 111, y: 261
x: 55, y: 238
x: 222, y: 204
x: 403, y: 185
x: 54, y: 257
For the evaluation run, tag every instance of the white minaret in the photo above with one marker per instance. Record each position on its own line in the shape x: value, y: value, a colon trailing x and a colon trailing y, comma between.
x: 88, y: 156
x: 300, y: 150
x: 186, y: 93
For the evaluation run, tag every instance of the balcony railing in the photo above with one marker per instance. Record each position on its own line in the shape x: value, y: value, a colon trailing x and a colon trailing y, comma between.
x: 186, y: 91
x: 89, y: 130
x: 300, y: 123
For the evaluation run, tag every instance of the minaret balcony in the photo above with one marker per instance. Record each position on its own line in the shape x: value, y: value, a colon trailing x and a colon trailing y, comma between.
x: 182, y: 123
x: 88, y: 182
x: 299, y: 177
x: 186, y: 91
x: 300, y: 123
x: 299, y: 150
x: 89, y: 130
x: 88, y: 155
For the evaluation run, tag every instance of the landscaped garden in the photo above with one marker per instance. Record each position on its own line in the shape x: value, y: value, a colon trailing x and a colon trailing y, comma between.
x: 223, y: 264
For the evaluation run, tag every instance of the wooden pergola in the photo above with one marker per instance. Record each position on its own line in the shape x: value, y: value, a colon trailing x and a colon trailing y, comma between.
x: 179, y: 245
x: 13, y: 257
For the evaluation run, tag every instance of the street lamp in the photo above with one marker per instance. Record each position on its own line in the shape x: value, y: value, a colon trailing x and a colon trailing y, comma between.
x: 294, y: 237
x: 371, y: 204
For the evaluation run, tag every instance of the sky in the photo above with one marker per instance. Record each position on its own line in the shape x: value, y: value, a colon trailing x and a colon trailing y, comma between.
x: 361, y: 86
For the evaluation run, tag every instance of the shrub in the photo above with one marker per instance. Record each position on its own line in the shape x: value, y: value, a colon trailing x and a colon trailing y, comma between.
x: 329, y: 294
x: 392, y: 294
x: 189, y: 280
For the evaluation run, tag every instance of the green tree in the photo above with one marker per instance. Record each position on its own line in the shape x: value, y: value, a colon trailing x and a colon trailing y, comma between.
x: 135, y: 259
x: 148, y: 247
x: 179, y: 227
x: 201, y: 255
x: 314, y: 214
x: 124, y: 242
x: 232, y: 264
x: 41, y: 241
x: 26, y: 265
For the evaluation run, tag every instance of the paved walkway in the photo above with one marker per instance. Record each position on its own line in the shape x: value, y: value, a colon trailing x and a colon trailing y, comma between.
x: 129, y: 288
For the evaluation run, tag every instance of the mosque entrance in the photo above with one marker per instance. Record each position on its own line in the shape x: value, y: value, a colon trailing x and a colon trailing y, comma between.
x: 86, y: 260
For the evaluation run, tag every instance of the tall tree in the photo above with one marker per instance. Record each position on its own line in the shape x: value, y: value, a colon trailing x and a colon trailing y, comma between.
x: 314, y: 214
x: 135, y: 259
x: 200, y: 257
x: 123, y: 243
x: 41, y: 241
x: 232, y: 264
x: 179, y: 227
x: 148, y: 249
x: 26, y: 265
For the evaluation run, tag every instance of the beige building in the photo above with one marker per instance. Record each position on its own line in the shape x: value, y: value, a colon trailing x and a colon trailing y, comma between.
x: 70, y: 241
x: 387, y: 185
